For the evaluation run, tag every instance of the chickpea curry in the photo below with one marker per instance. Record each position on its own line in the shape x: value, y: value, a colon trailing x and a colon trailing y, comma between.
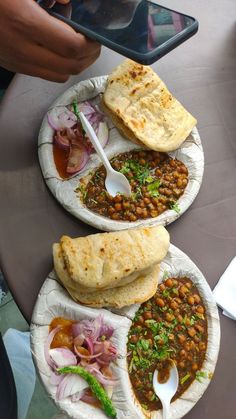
x: 171, y: 326
x: 157, y: 182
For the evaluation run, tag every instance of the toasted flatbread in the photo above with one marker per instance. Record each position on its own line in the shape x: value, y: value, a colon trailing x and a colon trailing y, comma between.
x: 65, y: 279
x: 107, y: 260
x: 144, y: 110
x: 140, y: 290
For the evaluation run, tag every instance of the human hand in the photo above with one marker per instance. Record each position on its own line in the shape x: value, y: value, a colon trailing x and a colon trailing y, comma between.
x: 33, y: 42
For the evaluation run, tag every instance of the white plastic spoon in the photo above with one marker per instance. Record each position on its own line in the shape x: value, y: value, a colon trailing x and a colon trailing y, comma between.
x: 115, y: 182
x: 165, y: 391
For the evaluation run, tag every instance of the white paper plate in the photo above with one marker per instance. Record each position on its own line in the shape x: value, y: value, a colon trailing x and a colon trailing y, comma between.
x: 54, y: 301
x: 190, y: 153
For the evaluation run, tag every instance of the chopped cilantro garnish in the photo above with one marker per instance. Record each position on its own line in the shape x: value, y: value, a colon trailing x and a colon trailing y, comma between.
x: 165, y: 275
x: 174, y: 206
x: 153, y: 188
x: 200, y: 375
x: 143, y: 344
x: 81, y: 188
x: 140, y: 172
x: 185, y: 378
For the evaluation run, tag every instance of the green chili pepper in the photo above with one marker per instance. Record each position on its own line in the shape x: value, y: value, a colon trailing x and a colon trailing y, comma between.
x: 95, y: 386
x: 77, y: 112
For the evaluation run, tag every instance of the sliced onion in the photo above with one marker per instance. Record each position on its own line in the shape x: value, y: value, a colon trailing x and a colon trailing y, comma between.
x: 89, y: 344
x: 79, y: 340
x: 61, y: 140
x: 55, y: 379
x: 48, y: 344
x: 88, y: 398
x: 78, y: 158
x: 81, y: 355
x: 102, y: 133
x: 101, y: 377
x: 106, y: 331
x: 62, y: 357
x: 61, y: 117
x: 77, y: 396
x: 71, y: 384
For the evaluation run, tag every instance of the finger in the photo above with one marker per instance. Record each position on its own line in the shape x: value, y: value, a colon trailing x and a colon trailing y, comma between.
x: 60, y: 37
x: 54, y: 62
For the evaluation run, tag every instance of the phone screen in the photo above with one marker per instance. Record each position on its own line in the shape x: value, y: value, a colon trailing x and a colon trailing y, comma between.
x: 137, y: 25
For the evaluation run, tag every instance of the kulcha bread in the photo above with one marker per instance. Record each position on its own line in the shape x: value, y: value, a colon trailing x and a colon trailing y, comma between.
x: 108, y: 260
x: 144, y: 110
x: 138, y: 291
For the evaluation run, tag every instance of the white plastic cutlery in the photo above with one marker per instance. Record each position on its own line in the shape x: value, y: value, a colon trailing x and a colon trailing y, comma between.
x: 115, y: 182
x: 165, y: 391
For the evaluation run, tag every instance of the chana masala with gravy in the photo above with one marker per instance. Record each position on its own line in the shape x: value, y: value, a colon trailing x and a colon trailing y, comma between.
x: 170, y: 327
x: 157, y: 182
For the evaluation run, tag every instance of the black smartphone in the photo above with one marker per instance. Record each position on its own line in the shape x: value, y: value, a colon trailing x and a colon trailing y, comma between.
x: 138, y: 29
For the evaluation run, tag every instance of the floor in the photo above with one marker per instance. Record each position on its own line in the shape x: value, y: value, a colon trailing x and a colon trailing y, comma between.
x: 10, y: 317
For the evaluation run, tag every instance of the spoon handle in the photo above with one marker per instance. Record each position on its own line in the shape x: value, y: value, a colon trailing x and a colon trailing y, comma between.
x: 95, y: 141
x: 165, y: 410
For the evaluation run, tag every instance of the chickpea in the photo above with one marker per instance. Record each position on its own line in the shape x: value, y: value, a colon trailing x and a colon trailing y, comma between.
x: 187, y: 346
x: 183, y: 353
x: 180, y: 318
x: 202, y: 346
x: 188, y: 285
x: 191, y: 300
x: 118, y: 206
x: 171, y: 336
x: 200, y: 309
x: 177, y: 192
x: 173, y: 305
x: 189, y: 357
x: 111, y: 210
x: 192, y: 332
x: 162, y: 287
x: 169, y: 317
x: 126, y: 205
x: 137, y: 383
x: 117, y: 198
x: 194, y: 366
x: 146, y: 200
x: 139, y: 210
x: 181, y: 338
x: 187, y: 322
x: 147, y: 315
x: 196, y: 339
x: 142, y: 162
x: 183, y: 169
x: 197, y: 299
x: 145, y: 213
x: 178, y: 300
x: 115, y: 216
x: 169, y: 283
x: 160, y: 302
x: 199, y: 328
x: 132, y: 217
x: 141, y: 319
x: 184, y: 182
x: 192, y: 345
x: 154, y: 213
x: 172, y: 163
x: 181, y: 364
x: 133, y: 339
x: 182, y: 291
